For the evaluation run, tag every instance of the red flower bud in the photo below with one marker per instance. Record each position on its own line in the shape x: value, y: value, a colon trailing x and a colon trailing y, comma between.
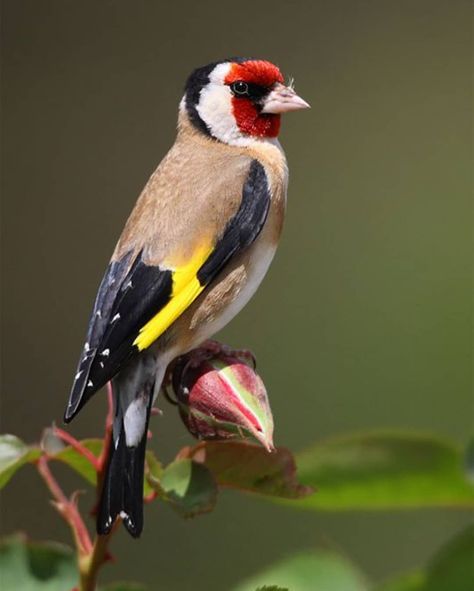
x: 220, y: 396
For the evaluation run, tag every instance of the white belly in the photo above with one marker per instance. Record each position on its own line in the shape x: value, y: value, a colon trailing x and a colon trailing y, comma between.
x: 262, y: 257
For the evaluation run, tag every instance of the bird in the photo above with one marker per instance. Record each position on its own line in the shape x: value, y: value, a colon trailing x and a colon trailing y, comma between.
x: 195, y: 248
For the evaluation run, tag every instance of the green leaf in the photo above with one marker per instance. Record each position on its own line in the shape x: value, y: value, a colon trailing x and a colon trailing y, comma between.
x: 123, y: 587
x: 36, y: 566
x: 384, y: 470
x: 249, y: 467
x: 14, y: 453
x: 469, y: 461
x: 309, y: 571
x: 153, y: 473
x: 189, y: 487
x: 412, y: 581
x: 78, y: 462
x: 451, y: 569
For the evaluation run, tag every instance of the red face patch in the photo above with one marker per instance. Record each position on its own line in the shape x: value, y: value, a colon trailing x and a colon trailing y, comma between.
x: 248, y: 117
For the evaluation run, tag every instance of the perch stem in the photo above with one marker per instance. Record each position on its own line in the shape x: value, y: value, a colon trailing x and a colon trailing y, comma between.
x: 90, y: 565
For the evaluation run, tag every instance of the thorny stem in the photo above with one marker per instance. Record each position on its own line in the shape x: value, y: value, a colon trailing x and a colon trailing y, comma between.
x: 77, y: 445
x: 91, y: 556
x: 67, y: 509
x: 150, y: 497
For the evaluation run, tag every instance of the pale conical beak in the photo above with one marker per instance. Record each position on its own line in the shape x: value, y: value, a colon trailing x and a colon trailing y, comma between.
x: 283, y: 99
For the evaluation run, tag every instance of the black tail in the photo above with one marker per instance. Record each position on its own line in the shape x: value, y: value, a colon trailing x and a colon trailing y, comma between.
x: 122, y: 490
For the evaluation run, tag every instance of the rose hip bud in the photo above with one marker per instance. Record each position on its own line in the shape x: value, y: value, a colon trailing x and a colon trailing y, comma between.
x: 220, y: 396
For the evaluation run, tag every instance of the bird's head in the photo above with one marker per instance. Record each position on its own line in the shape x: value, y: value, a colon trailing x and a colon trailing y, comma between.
x: 239, y: 100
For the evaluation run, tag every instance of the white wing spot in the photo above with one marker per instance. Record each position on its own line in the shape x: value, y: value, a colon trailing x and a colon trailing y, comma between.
x: 78, y: 374
x: 105, y: 353
x: 86, y: 347
x: 101, y: 364
x: 116, y: 317
x: 98, y: 314
x: 90, y: 384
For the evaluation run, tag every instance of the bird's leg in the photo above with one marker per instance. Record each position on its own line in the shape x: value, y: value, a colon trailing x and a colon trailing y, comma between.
x: 246, y: 356
x: 211, y: 348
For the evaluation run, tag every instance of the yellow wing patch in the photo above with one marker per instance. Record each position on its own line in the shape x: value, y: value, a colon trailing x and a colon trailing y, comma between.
x: 186, y: 288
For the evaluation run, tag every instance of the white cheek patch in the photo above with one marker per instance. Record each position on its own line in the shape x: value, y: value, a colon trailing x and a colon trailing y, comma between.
x: 215, y: 109
x: 215, y: 106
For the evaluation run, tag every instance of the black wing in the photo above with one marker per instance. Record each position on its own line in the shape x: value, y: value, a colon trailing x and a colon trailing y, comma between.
x: 132, y: 293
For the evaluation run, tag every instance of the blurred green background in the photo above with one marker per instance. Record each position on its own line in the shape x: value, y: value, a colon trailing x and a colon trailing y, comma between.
x: 365, y: 317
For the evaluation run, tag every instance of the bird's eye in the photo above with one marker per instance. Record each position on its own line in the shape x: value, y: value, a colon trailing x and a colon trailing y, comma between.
x: 240, y: 88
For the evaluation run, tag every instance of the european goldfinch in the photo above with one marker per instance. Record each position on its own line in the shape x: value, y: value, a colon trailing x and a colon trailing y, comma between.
x: 194, y: 250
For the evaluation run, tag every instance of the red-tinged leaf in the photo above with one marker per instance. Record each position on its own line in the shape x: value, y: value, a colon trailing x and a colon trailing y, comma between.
x: 383, y: 470
x: 250, y: 467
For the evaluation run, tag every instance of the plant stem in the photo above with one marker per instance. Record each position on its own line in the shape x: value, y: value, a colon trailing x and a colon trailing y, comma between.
x: 91, y: 556
x: 77, y: 445
x: 89, y: 567
x: 67, y: 509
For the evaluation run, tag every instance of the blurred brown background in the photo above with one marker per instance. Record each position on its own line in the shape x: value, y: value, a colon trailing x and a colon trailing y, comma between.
x: 365, y: 318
